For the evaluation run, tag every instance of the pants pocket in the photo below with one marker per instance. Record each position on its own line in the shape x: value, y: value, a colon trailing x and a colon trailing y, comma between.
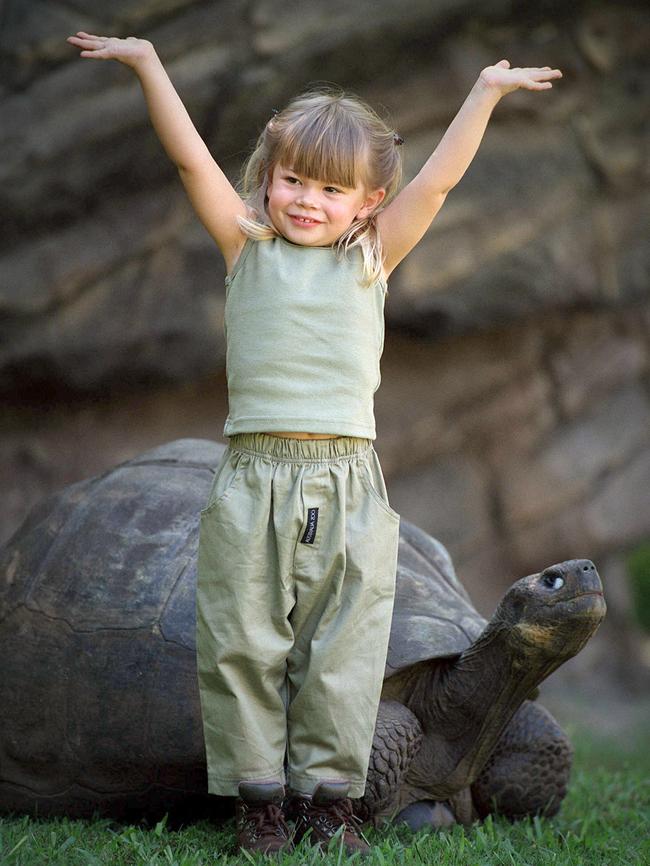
x: 373, y: 479
x: 227, y: 475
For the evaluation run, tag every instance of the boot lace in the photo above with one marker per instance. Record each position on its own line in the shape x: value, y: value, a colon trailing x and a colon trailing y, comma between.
x: 334, y: 815
x: 263, y: 820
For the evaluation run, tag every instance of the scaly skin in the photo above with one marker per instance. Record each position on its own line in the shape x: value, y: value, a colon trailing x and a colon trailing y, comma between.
x: 528, y: 771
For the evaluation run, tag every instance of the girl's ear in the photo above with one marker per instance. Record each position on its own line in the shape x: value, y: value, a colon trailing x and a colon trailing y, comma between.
x: 372, y: 201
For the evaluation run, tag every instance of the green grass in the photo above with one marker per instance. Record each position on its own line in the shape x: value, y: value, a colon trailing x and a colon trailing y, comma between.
x: 605, y: 819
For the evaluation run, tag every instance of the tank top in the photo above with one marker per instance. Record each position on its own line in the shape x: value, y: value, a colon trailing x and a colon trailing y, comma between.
x: 304, y: 338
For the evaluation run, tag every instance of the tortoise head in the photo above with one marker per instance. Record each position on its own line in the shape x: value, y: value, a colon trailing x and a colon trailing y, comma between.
x: 556, y: 611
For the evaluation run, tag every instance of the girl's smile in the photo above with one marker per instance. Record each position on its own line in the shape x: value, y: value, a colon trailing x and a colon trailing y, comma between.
x: 313, y: 212
x: 304, y: 221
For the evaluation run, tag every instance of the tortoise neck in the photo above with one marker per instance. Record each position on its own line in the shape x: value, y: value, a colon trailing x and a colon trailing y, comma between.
x: 464, y: 705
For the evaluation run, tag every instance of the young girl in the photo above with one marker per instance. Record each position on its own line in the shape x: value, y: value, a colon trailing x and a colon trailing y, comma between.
x: 298, y: 543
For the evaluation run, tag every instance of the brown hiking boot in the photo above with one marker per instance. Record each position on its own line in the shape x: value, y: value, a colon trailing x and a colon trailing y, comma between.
x: 261, y: 825
x: 324, y: 814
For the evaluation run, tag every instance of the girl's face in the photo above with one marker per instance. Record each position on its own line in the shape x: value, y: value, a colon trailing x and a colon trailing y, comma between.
x: 312, y: 212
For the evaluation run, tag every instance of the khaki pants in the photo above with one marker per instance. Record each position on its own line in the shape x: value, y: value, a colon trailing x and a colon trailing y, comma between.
x: 296, y: 579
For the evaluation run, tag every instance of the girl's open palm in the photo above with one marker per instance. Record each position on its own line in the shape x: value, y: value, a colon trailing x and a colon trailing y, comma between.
x: 129, y: 51
x: 504, y: 79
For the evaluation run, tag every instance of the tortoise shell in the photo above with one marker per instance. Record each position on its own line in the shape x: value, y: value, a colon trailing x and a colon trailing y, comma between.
x: 99, y: 702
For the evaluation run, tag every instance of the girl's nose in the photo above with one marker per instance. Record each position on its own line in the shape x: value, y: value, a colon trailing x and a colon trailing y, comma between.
x: 306, y: 198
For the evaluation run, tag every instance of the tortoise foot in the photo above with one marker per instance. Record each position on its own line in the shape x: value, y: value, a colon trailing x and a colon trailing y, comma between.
x: 426, y: 813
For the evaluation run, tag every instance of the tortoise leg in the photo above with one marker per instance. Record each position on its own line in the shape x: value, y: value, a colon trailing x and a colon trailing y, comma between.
x: 528, y: 771
x: 396, y: 741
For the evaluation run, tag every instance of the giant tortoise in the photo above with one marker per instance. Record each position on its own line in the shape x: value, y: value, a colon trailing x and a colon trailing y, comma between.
x: 99, y: 704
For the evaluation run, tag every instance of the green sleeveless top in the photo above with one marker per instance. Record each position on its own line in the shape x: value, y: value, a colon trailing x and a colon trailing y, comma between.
x: 303, y: 341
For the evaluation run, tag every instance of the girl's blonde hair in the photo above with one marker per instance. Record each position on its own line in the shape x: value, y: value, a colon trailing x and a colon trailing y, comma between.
x: 330, y: 135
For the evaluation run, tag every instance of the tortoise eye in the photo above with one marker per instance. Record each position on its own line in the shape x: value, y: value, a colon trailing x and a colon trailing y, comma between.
x: 553, y: 581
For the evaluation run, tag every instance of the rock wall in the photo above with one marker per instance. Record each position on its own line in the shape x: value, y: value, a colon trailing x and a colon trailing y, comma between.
x: 514, y: 413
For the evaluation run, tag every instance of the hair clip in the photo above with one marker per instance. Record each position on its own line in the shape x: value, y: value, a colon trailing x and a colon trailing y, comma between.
x: 398, y: 139
x: 275, y: 111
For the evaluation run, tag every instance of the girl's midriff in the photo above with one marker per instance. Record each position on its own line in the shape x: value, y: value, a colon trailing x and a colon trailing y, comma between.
x: 306, y: 435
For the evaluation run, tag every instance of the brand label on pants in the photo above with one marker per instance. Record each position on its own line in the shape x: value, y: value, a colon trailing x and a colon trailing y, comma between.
x: 312, y: 523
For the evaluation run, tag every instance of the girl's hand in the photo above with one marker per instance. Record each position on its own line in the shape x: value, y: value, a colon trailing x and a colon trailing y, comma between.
x: 130, y: 51
x: 501, y: 79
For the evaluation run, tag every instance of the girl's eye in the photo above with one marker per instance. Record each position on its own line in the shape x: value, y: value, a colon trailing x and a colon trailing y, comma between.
x: 331, y: 189
x: 291, y: 179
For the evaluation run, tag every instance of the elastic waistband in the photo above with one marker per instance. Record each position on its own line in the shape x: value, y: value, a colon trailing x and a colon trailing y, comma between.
x: 300, y: 450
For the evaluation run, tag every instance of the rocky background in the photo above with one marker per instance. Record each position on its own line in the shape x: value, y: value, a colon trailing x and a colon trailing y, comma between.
x: 514, y: 413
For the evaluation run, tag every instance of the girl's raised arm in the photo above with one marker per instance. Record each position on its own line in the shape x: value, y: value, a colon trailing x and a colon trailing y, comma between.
x: 211, y: 193
x: 405, y: 220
